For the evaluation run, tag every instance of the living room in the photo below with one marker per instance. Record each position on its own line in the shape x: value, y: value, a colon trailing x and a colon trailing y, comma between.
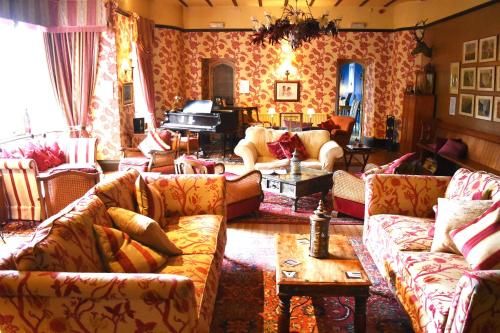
x: 250, y: 166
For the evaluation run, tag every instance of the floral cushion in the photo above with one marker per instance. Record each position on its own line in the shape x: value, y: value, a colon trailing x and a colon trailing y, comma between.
x: 149, y: 201
x: 198, y: 234
x: 465, y: 184
x: 152, y: 142
x: 121, y: 254
x: 96, y: 208
x: 118, y: 191
x: 433, y: 278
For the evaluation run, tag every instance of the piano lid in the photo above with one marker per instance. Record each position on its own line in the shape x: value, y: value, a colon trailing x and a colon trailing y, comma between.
x: 198, y: 106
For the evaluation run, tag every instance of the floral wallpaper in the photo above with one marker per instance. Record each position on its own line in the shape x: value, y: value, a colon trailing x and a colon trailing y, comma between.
x: 389, y: 68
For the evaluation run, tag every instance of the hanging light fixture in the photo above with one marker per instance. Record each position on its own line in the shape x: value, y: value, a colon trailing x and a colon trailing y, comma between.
x: 295, y: 26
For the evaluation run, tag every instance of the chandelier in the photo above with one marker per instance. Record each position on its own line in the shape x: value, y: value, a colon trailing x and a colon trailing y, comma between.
x: 295, y: 26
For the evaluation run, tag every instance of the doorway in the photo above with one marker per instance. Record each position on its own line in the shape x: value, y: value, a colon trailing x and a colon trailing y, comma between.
x: 350, y: 93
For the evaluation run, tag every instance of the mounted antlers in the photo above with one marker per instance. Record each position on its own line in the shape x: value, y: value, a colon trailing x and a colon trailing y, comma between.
x: 418, y: 35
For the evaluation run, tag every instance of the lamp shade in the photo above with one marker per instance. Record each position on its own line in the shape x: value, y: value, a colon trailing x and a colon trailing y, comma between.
x: 271, y: 111
x: 310, y: 111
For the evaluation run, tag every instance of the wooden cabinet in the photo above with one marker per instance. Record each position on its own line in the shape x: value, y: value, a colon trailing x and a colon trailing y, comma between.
x: 417, y: 109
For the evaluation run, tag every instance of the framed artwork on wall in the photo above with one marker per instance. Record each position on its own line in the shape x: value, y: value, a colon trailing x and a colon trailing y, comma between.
x: 488, y: 49
x: 466, y: 105
x: 453, y: 105
x: 454, y: 77
x: 128, y: 93
x: 468, y: 78
x: 496, y: 109
x: 287, y: 91
x: 484, y: 106
x: 498, y: 78
x: 485, y: 78
x: 469, y: 52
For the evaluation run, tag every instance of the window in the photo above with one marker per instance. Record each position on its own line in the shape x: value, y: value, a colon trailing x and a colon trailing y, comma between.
x: 25, y: 86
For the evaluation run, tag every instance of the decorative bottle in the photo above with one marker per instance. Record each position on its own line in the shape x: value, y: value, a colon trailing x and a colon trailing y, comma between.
x: 320, y: 232
x: 295, y: 164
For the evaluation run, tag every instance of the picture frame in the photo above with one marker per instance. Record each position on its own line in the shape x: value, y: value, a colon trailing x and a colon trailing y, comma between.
x: 466, y: 107
x: 498, y: 78
x: 496, y: 109
x: 486, y: 78
x: 287, y: 91
x: 453, y: 105
x: 488, y: 49
x: 469, y: 52
x: 468, y: 78
x: 484, y: 105
x: 454, y: 77
x: 128, y: 93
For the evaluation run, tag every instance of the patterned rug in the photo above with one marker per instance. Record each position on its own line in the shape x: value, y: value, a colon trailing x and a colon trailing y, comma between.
x: 247, y: 301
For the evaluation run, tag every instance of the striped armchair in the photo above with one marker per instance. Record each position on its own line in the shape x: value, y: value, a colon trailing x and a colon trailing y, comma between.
x: 20, y: 177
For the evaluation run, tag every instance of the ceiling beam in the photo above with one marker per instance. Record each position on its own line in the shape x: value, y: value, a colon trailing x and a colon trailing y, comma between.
x: 338, y: 3
x: 390, y: 3
x: 209, y: 3
x: 183, y: 3
x: 235, y: 3
x: 260, y: 3
x: 363, y: 3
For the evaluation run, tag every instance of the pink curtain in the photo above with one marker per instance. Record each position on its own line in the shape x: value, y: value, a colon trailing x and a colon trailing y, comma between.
x: 72, y: 59
x: 145, y: 40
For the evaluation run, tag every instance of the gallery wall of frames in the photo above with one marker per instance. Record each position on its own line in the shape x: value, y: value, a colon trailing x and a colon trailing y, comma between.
x: 467, y: 61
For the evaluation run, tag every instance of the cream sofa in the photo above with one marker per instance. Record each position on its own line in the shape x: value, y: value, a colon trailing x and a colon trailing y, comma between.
x: 253, y: 149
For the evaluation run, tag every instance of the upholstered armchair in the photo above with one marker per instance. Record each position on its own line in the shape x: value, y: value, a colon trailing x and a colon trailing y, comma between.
x: 340, y: 128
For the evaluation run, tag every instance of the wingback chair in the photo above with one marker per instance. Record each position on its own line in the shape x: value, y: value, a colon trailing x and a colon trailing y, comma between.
x: 340, y: 128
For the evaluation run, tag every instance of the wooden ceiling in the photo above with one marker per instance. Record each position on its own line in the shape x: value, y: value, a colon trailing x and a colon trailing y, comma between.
x: 274, y: 3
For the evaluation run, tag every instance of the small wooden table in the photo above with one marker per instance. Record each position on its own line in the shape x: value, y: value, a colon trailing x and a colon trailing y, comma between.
x: 319, y: 277
x: 295, y: 186
x: 351, y: 150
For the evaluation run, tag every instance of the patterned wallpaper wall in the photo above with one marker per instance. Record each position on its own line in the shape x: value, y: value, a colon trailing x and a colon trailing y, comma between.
x: 386, y: 55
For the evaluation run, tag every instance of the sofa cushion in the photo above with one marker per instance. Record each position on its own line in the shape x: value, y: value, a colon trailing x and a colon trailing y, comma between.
x: 311, y: 163
x: 83, y: 167
x: 289, y: 146
x: 452, y: 215
x: 63, y: 243
x: 149, y: 201
x: 118, y: 191
x: 454, y: 148
x: 433, y: 278
x: 197, y: 234
x: 313, y: 141
x: 267, y: 163
x: 276, y: 150
x: 96, y: 208
x: 465, y: 184
x: 151, y: 142
x: 479, y: 241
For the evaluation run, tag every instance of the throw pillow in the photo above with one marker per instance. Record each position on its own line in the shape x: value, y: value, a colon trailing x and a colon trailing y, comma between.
x: 276, y: 150
x: 452, y: 215
x: 143, y: 229
x: 149, y: 201
x: 294, y: 143
x: 478, y: 241
x: 121, y: 254
x: 152, y: 142
x: 454, y: 148
x: 398, y: 162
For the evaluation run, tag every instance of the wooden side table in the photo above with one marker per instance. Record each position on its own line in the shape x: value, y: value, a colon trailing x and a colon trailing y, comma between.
x: 351, y: 150
x: 318, y: 277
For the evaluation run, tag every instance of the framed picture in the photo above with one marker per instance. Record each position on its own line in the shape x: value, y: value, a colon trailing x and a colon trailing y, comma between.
x: 453, y: 105
x: 488, y: 49
x: 498, y: 78
x: 484, y: 105
x: 287, y: 91
x: 466, y: 105
x: 485, y: 78
x: 468, y: 78
x: 496, y: 109
x: 454, y: 77
x: 469, y: 52
x: 128, y: 93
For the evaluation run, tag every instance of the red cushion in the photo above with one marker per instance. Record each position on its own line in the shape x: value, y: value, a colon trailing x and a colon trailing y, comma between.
x: 396, y: 163
x: 166, y: 136
x: 276, y: 150
x: 37, y: 152
x: 454, y: 148
x: 55, y: 153
x: 294, y: 144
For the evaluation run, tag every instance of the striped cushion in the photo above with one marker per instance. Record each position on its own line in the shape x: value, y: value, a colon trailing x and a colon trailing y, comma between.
x: 149, y: 201
x: 479, y: 241
x: 121, y: 254
x: 79, y: 150
x: 152, y: 142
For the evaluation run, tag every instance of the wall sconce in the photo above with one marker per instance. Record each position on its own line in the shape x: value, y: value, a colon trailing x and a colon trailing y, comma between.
x: 244, y: 87
x: 128, y: 69
x: 272, y: 113
x: 310, y: 113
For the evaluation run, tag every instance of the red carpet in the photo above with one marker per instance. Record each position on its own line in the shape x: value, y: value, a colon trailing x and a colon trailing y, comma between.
x: 247, y: 300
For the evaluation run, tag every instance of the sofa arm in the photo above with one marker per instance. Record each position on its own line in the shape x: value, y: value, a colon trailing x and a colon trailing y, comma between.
x: 347, y: 186
x: 408, y: 195
x: 43, y: 301
x: 193, y: 194
x: 476, y: 302
x: 328, y: 153
x: 248, y: 152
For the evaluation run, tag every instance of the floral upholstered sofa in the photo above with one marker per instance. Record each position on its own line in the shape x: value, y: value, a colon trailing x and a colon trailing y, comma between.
x: 439, y: 291
x: 58, y: 283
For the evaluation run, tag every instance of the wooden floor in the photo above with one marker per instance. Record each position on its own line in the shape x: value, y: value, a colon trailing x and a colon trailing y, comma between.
x: 272, y: 229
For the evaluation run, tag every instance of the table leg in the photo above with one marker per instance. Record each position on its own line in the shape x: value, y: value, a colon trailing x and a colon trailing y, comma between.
x: 348, y: 164
x: 365, y: 161
x: 295, y: 204
x: 284, y: 313
x: 360, y: 314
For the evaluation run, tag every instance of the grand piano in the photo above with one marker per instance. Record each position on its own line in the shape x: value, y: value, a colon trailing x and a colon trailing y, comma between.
x: 203, y: 117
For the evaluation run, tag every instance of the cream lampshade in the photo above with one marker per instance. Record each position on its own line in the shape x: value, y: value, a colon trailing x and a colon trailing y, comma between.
x: 271, y: 112
x: 310, y: 112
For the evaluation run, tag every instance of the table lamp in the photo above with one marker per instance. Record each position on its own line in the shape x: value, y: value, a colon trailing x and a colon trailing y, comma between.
x: 310, y: 112
x: 271, y: 112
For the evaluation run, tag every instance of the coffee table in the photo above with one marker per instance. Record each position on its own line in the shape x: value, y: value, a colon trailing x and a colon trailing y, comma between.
x: 318, y: 277
x: 295, y: 186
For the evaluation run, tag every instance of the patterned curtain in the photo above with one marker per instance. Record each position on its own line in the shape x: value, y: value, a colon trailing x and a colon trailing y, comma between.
x: 145, y: 40
x: 72, y: 60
